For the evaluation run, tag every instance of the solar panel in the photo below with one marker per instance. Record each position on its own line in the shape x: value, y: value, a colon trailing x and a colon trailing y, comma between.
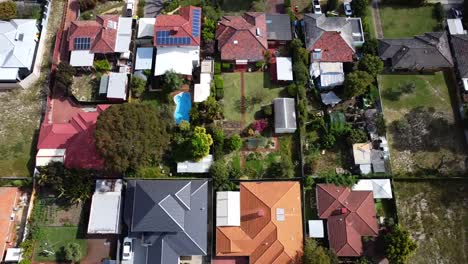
x: 81, y: 43
x: 196, y: 23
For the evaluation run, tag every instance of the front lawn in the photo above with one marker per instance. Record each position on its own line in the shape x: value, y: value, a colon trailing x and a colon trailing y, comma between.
x: 421, y: 128
x: 404, y: 21
x: 50, y: 248
x: 436, y: 216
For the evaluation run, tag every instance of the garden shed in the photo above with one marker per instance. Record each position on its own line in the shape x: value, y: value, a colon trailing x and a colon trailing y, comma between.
x: 285, y: 115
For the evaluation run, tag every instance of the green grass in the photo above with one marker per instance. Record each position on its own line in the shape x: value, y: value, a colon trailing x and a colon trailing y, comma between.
x: 235, y: 6
x: 110, y: 7
x: 370, y: 21
x: 56, y: 238
x: 436, y: 216
x: 232, y: 96
x: 403, y: 21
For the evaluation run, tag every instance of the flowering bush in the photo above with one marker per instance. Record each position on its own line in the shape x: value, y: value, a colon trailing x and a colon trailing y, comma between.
x: 260, y: 125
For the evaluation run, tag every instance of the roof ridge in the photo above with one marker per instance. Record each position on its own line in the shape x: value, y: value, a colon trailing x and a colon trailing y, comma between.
x: 370, y: 193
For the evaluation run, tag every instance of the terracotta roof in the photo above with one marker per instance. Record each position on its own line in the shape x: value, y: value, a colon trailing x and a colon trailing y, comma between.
x: 237, y: 37
x: 180, y: 25
x: 261, y: 236
x: 350, y: 215
x: 8, y: 199
x: 77, y: 137
x: 334, y: 48
x: 102, y: 31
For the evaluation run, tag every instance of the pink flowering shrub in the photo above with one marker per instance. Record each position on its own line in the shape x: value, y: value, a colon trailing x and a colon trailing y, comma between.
x: 260, y: 125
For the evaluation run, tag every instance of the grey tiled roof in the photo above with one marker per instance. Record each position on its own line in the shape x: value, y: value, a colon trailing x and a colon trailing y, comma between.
x: 316, y: 24
x: 278, y: 27
x: 430, y: 50
x: 169, y: 215
x: 460, y: 50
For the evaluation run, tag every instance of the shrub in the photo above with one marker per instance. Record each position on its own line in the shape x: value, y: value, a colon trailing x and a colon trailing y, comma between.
x: 209, y: 28
x: 219, y: 94
x: 259, y: 64
x: 341, y: 179
x: 72, y: 252
x: 398, y: 245
x: 219, y: 82
x: 226, y: 66
x: 268, y: 110
x: 260, y: 125
x: 102, y: 65
x: 64, y: 76
x: 217, y: 68
x: 7, y: 10
x: 259, y: 5
x: 138, y: 86
x: 357, y: 136
x: 292, y: 90
x: 371, y: 64
x: 371, y: 46
x: 87, y: 4
x: 172, y: 80
x: 149, y: 173
x: 359, y: 7
x: 233, y: 143
x: 328, y: 140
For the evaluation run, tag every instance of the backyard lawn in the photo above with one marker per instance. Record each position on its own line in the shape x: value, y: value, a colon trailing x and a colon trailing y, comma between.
x: 436, y: 216
x: 404, y: 21
x: 55, y: 238
x: 421, y: 128
x: 232, y: 96
x: 235, y: 6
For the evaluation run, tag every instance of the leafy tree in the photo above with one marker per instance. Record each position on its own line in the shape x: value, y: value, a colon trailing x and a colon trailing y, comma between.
x: 292, y: 89
x: 357, y: 136
x: 371, y: 46
x: 87, y: 4
x: 64, y: 76
x: 356, y: 83
x: 102, y: 65
x: 301, y: 73
x: 332, y: 5
x: 200, y: 143
x: 340, y: 179
x: 259, y: 6
x: 328, y: 140
x: 138, y: 86
x: 7, y: 10
x: 234, y: 143
x: 172, y: 80
x: 316, y: 254
x: 381, y: 126
x: 209, y: 28
x: 282, y: 169
x: 129, y: 136
x: 360, y: 7
x: 220, y: 174
x: 398, y: 245
x: 211, y: 12
x: 72, y: 252
x: 206, y: 111
x: 371, y: 64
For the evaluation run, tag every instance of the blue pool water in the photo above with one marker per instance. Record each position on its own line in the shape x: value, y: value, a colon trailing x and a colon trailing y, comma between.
x: 183, y: 106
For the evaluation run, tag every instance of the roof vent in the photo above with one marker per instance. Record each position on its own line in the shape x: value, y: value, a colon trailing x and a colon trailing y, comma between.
x: 259, y: 33
x: 112, y: 24
x: 236, y: 42
x: 260, y: 213
x: 280, y: 214
x: 19, y: 36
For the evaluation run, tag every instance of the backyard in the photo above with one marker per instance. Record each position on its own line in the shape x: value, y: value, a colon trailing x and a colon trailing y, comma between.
x: 104, y: 8
x: 423, y: 135
x: 404, y: 21
x: 21, y: 112
x: 85, y: 87
x: 235, y: 6
x: 436, y: 216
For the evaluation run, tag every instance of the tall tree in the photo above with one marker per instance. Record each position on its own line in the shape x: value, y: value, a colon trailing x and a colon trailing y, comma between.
x: 200, y: 143
x: 172, y: 80
x: 360, y: 7
x: 398, y: 245
x: 316, y: 254
x: 7, y: 10
x: 132, y: 135
x: 371, y: 46
x: 220, y: 174
x: 371, y: 64
x: 356, y: 83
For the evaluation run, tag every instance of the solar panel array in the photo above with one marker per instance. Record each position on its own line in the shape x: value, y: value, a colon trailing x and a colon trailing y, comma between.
x: 82, y: 43
x: 196, y: 18
x: 164, y: 38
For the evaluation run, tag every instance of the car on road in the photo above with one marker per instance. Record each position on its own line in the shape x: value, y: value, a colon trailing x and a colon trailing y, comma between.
x: 347, y: 9
x: 316, y: 7
x: 456, y: 13
x: 127, y: 252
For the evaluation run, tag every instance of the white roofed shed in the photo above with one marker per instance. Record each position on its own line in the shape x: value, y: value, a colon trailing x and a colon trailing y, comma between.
x: 228, y: 209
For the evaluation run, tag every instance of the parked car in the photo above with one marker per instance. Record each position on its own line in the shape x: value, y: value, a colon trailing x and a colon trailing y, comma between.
x: 347, y: 8
x: 127, y: 252
x: 130, y: 8
x: 316, y: 7
x: 456, y: 13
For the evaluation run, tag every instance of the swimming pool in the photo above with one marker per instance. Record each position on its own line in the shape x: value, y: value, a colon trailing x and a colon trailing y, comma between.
x: 183, y: 106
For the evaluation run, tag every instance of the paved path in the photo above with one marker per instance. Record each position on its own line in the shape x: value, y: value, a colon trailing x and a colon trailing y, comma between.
x: 376, y: 17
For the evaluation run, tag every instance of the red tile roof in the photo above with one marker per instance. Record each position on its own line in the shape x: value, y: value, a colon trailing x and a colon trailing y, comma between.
x: 103, y: 33
x: 237, y: 37
x: 350, y: 216
x: 77, y: 137
x: 8, y: 199
x: 261, y: 236
x: 334, y: 48
x: 180, y: 25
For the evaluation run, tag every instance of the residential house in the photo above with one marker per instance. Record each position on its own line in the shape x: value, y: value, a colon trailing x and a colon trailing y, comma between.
x: 285, y: 115
x: 106, y: 205
x: 242, y: 39
x: 72, y: 143
x: 260, y: 225
x: 350, y: 216
x: 177, y: 41
x: 460, y: 53
x: 430, y: 51
x: 9, y: 197
x: 108, y: 34
x: 19, y: 38
x: 279, y: 30
x: 331, y: 41
x: 167, y: 219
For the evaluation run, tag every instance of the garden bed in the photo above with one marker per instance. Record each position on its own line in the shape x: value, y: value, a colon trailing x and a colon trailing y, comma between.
x: 86, y: 87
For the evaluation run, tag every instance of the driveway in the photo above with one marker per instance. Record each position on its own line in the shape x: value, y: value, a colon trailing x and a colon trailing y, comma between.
x: 153, y: 7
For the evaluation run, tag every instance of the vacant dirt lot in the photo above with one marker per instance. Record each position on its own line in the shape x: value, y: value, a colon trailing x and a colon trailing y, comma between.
x: 436, y: 214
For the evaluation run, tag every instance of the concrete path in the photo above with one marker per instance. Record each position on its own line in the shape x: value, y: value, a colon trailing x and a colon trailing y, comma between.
x: 376, y: 17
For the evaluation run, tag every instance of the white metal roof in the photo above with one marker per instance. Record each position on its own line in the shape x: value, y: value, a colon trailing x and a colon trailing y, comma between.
x: 81, y: 58
x: 13, y: 255
x: 455, y: 26
x: 44, y: 161
x: 51, y: 153
x: 104, y: 217
x: 362, y: 153
x: 124, y: 34
x: 228, y: 209
x: 144, y: 58
x: 117, y: 86
x: 18, y: 38
x: 202, y: 166
x: 381, y: 188
x: 284, y: 69
x: 146, y: 27
x: 202, y: 90
x: 331, y: 73
x: 8, y: 74
x: 179, y: 59
x: 316, y: 228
